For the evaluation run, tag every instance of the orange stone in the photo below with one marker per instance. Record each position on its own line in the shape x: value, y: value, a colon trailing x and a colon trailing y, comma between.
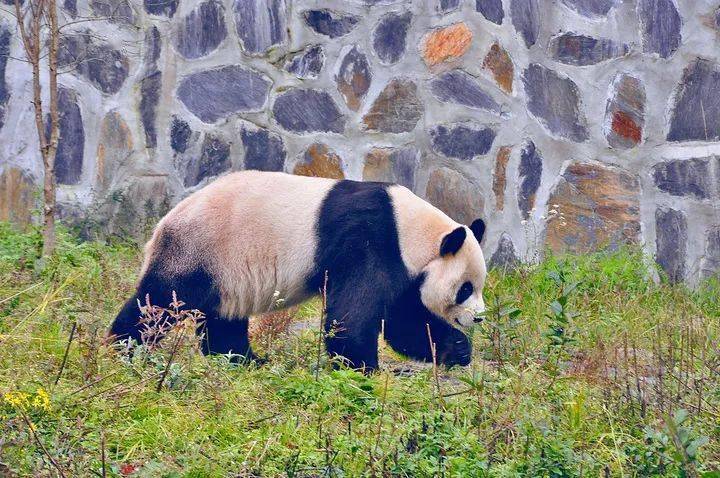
x: 596, y: 206
x: 455, y: 195
x: 499, y: 63
x: 17, y: 196
x: 321, y: 162
x: 500, y: 176
x: 447, y: 43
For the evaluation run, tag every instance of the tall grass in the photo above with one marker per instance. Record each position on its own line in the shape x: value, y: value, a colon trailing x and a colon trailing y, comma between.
x: 583, y: 367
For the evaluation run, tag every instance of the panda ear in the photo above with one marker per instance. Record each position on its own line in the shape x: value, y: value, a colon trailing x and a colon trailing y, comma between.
x: 453, y: 241
x: 478, y: 229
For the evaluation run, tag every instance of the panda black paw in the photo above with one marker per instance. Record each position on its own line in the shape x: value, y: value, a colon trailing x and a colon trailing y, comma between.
x: 455, y: 350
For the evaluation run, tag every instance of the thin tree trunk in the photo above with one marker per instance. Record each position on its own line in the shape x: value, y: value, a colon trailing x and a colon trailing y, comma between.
x: 32, y: 42
x: 51, y: 146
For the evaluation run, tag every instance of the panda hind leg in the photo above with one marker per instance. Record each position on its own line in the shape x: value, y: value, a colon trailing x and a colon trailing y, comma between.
x: 221, y: 336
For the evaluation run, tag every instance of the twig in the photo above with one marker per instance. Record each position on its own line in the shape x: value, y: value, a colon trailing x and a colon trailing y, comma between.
x: 67, y: 351
x: 322, y: 320
x: 102, y: 454
x: 40, y: 443
x: 433, y: 351
x: 382, y: 413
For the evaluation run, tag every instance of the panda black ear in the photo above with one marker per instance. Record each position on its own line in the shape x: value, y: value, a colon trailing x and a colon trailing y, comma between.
x: 478, y: 229
x: 453, y: 241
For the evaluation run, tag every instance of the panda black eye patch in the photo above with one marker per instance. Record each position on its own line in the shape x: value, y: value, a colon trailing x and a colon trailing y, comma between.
x: 464, y: 293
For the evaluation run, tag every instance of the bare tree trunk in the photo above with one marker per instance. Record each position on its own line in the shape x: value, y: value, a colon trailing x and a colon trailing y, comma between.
x: 31, y: 34
x: 51, y: 147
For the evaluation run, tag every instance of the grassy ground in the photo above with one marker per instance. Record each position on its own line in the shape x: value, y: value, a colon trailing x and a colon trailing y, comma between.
x: 615, y: 376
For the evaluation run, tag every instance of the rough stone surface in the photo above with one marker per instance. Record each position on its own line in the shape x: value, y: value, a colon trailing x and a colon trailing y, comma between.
x: 710, y: 264
x: 150, y: 88
x: 330, y: 23
x: 446, y: 6
x: 71, y: 142
x: 166, y: 8
x: 460, y: 88
x: 660, y: 26
x: 283, y: 85
x: 499, y: 63
x: 353, y: 78
x: 306, y: 64
x: 17, y: 196
x: 115, y: 146
x: 591, y: 8
x: 303, y: 111
x: 689, y: 177
x: 492, y: 10
x: 593, y: 206
x: 391, y: 165
x: 264, y: 151
x: 5, y: 37
x: 555, y: 102
x: 456, y: 195
x: 462, y: 141
x: 105, y: 67
x: 500, y: 176
x: 152, y: 48
x: 625, y: 112
x: 202, y: 30
x: 583, y: 50
x: 396, y: 110
x: 504, y: 256
x: 321, y: 162
x: 390, y: 37
x: 213, y: 160
x: 214, y: 94
x: 69, y: 6
x: 116, y: 11
x: 696, y: 114
x: 260, y: 24
x: 180, y: 134
x: 530, y: 175
x: 446, y: 43
x: 525, y: 15
x: 671, y: 242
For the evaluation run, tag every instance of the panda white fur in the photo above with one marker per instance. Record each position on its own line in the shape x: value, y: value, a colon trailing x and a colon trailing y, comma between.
x: 231, y: 247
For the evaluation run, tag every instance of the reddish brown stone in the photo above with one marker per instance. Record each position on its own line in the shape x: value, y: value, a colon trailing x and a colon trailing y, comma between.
x: 446, y: 43
x: 594, y: 206
x: 625, y: 112
x: 321, y: 162
x: 455, y: 195
x: 17, y: 196
x: 499, y: 63
x: 500, y: 176
x: 624, y: 126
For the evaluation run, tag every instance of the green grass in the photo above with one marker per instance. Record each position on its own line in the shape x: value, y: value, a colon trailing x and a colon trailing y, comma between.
x: 619, y: 377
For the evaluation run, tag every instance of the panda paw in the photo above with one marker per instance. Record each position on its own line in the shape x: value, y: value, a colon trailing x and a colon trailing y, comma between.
x: 455, y: 350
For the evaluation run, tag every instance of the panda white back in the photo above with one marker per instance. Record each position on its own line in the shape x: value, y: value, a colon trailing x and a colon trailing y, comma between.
x: 254, y: 232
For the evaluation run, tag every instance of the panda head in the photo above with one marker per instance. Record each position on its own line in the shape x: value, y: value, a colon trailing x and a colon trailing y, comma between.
x: 454, y: 279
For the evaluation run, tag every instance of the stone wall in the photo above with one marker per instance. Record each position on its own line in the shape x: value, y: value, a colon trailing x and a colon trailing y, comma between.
x: 568, y: 124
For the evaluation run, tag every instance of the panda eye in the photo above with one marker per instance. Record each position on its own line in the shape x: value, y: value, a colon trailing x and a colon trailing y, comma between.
x: 464, y: 293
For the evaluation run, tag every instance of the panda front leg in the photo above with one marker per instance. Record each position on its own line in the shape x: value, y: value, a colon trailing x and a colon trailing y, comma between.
x: 352, y: 326
x: 410, y: 335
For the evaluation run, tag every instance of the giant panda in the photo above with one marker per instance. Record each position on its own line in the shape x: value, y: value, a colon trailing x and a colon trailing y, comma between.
x: 380, y: 253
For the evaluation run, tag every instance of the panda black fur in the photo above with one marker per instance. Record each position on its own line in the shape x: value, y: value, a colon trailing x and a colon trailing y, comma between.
x: 229, y: 248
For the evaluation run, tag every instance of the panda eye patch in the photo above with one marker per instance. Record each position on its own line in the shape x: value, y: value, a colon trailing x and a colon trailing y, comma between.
x: 464, y: 293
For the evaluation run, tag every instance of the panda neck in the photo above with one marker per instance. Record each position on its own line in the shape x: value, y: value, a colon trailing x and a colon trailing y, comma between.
x: 420, y: 228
